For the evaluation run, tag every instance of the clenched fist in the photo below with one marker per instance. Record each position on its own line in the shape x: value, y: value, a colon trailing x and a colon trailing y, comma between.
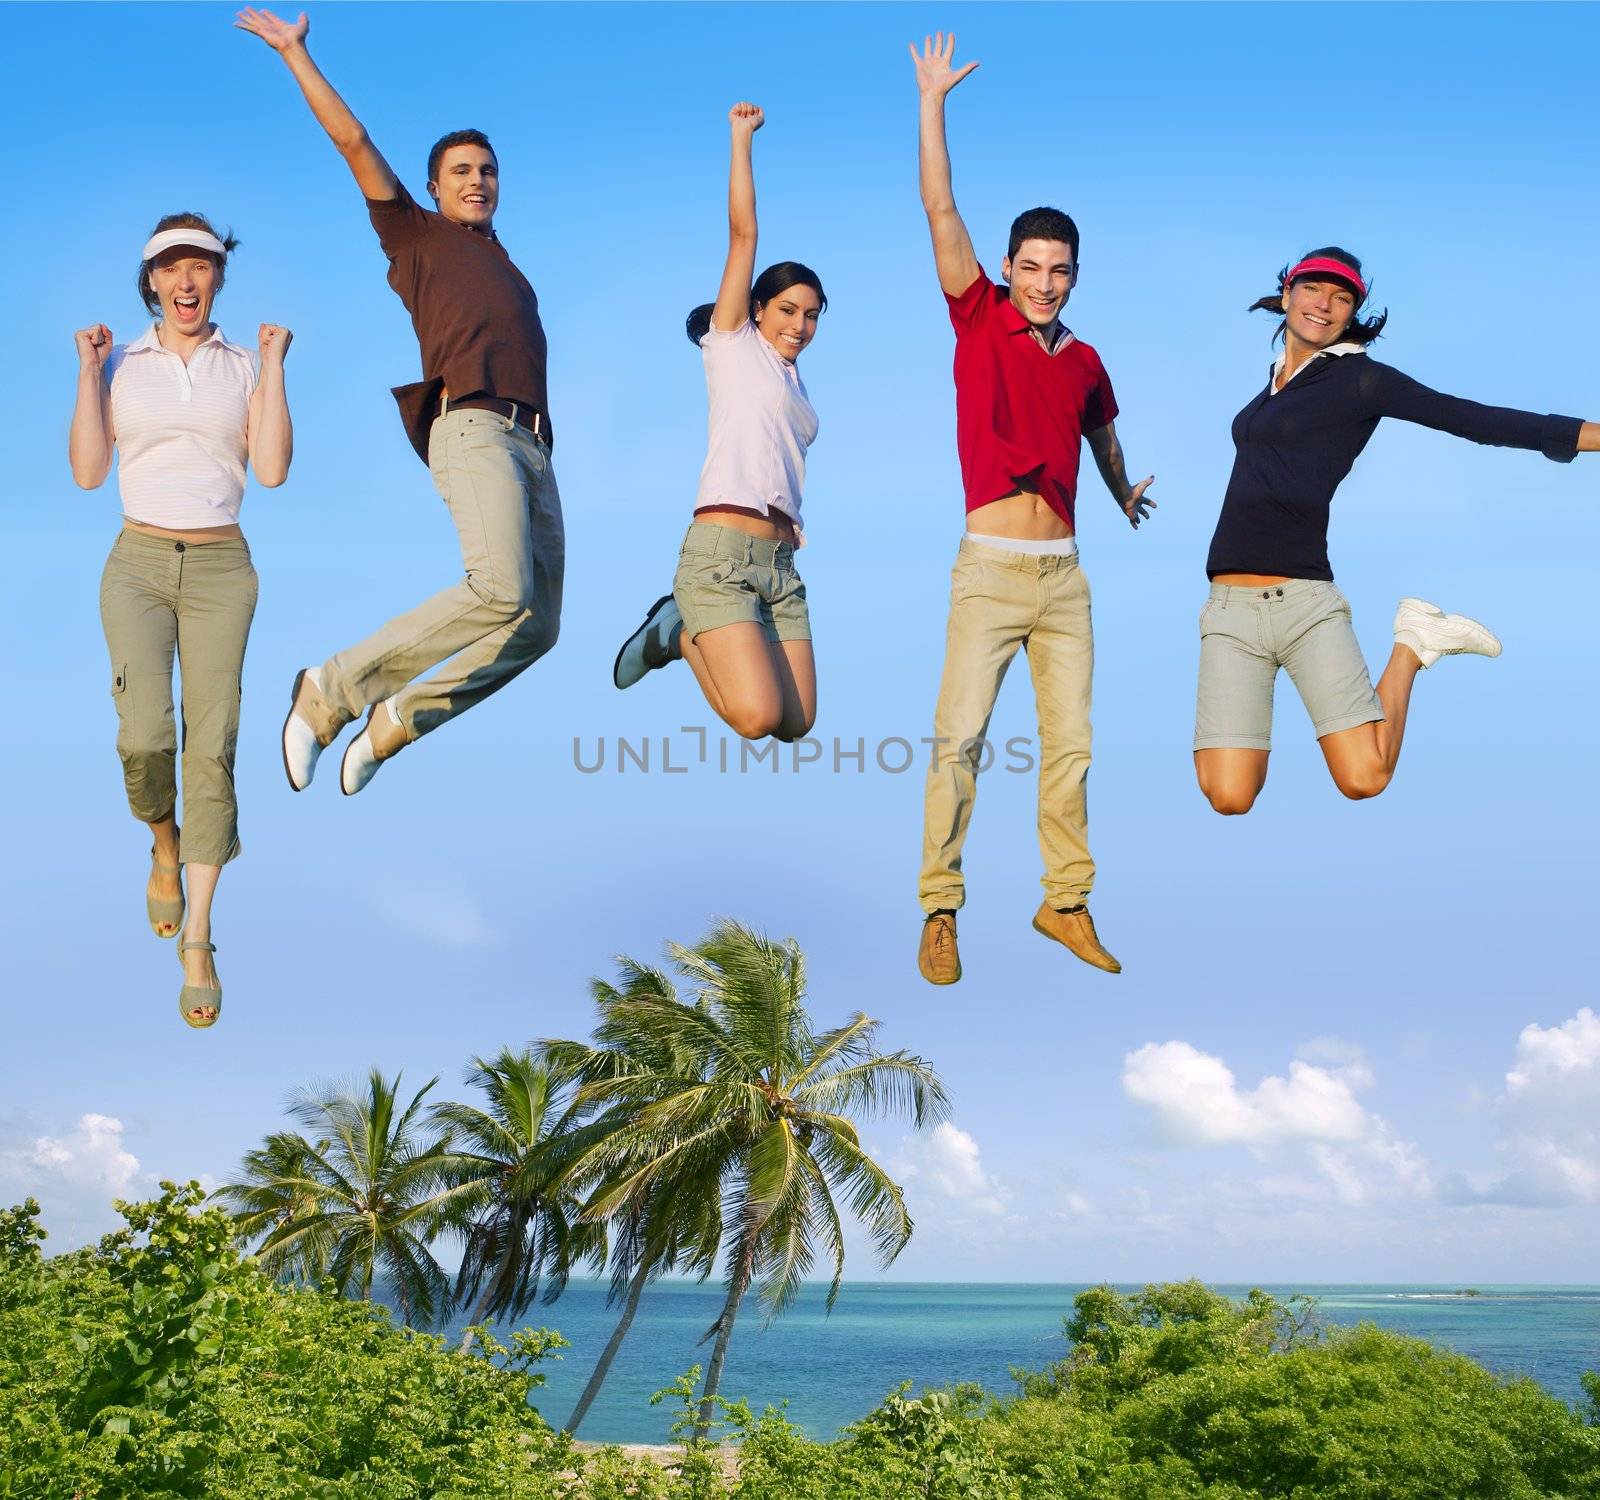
x: 94, y: 344
x: 275, y: 343
x: 748, y: 118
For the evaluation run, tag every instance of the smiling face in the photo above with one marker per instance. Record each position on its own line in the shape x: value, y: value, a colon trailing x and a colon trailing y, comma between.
x: 1317, y: 313
x: 1041, y: 274
x: 788, y: 320
x: 467, y: 188
x: 186, y: 283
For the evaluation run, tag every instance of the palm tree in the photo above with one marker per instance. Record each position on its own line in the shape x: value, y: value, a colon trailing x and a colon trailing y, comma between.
x: 382, y: 1190
x: 278, y: 1189
x: 677, y: 1223
x: 517, y: 1220
x: 754, y: 1104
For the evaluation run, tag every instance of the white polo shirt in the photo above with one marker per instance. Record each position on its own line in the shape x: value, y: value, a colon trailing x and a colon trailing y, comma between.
x: 761, y: 424
x: 181, y: 430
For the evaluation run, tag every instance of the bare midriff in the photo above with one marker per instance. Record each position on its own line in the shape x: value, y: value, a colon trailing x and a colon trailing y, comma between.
x: 1023, y: 517
x: 198, y: 537
x: 774, y: 527
x: 1249, y: 580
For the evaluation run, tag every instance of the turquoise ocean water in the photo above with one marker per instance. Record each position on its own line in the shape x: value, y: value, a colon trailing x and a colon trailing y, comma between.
x: 833, y: 1368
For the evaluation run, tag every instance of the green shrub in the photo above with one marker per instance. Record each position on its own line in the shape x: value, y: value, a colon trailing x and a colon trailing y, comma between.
x: 159, y: 1365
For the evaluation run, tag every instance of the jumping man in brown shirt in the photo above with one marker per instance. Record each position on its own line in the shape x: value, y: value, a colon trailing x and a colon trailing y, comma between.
x: 479, y: 419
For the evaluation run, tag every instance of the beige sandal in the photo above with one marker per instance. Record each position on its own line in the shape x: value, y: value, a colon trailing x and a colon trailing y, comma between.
x: 164, y: 911
x: 193, y: 997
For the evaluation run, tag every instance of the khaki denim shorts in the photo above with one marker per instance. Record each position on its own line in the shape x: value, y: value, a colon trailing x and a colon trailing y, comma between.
x: 725, y: 576
x: 1246, y: 634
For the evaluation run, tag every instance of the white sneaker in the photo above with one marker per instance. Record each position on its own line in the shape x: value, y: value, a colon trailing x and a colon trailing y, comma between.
x: 1431, y: 633
x: 652, y: 645
x: 300, y: 744
x: 360, y: 763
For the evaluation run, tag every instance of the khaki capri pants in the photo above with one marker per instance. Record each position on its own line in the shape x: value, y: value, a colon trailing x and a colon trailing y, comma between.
x: 160, y: 598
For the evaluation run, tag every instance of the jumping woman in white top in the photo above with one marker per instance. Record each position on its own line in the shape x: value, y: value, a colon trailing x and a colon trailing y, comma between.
x: 737, y: 612
x: 186, y: 409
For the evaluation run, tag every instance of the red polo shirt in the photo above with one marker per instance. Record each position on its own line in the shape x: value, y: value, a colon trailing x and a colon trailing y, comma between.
x: 1021, y: 413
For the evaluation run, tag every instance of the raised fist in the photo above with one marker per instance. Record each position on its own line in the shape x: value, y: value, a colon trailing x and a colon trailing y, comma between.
x: 746, y: 117
x: 275, y: 343
x: 94, y: 344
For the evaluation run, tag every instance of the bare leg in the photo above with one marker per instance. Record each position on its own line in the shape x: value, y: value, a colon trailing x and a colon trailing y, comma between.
x: 1232, y: 778
x: 198, y: 967
x: 797, y: 675
x: 1362, y: 760
x: 164, y: 839
x: 742, y: 681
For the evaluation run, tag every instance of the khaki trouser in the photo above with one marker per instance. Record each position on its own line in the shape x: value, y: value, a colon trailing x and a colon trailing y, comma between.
x: 496, y: 479
x: 999, y: 601
x: 196, y: 600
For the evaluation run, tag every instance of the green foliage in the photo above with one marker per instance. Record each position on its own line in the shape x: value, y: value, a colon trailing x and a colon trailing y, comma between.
x: 159, y: 1364
x: 162, y: 1365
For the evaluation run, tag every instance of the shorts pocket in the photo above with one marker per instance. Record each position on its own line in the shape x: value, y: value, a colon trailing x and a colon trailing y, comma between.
x: 119, y: 680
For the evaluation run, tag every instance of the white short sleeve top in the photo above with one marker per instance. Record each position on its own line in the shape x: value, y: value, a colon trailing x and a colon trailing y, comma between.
x: 181, y: 430
x: 761, y: 424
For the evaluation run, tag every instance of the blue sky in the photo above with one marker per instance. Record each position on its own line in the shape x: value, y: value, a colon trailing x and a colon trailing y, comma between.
x: 1351, y: 1041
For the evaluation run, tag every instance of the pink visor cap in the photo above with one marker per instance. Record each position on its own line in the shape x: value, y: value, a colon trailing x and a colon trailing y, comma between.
x: 1327, y: 265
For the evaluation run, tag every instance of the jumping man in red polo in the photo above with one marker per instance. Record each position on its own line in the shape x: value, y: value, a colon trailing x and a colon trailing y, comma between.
x: 1027, y: 393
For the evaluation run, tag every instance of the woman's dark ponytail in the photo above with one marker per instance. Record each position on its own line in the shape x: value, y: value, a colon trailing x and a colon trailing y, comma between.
x: 698, y: 324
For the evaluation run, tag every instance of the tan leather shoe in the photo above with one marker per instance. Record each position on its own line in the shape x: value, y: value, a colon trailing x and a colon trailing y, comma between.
x: 1075, y: 930
x: 938, y: 958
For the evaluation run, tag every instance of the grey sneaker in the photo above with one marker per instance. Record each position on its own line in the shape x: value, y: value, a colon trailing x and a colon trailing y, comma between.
x: 652, y: 645
x: 1431, y: 633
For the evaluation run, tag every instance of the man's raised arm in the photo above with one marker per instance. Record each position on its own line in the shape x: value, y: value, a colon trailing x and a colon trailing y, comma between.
x: 953, y: 254
x: 373, y: 174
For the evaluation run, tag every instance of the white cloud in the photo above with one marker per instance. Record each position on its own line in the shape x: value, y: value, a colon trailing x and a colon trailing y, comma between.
x: 74, y: 1174
x: 1310, y: 1119
x: 1198, y: 1101
x: 1549, y: 1113
x: 948, y: 1162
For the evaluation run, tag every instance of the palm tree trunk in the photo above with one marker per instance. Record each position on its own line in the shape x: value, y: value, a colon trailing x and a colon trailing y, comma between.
x: 609, y: 1353
x: 719, y: 1350
x: 479, y: 1313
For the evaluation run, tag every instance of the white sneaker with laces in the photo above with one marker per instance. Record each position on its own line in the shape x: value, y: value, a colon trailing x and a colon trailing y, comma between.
x: 300, y: 744
x: 1431, y: 633
x: 651, y: 645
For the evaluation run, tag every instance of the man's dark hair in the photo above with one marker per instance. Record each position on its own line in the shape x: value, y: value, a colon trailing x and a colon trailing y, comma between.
x: 147, y: 293
x: 1043, y: 224
x: 457, y: 138
x: 1361, y: 330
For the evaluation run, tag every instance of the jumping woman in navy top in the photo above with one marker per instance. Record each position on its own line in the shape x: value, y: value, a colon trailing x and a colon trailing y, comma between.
x: 1273, y: 603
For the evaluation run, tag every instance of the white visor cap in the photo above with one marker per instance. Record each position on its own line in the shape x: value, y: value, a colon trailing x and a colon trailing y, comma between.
x: 170, y: 239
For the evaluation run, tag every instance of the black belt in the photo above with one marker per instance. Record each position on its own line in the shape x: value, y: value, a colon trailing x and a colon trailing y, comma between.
x: 516, y: 411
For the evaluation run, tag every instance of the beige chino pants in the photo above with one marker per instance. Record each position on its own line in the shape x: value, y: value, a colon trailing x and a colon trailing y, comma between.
x: 195, y: 601
x: 1001, y: 601
x: 496, y: 479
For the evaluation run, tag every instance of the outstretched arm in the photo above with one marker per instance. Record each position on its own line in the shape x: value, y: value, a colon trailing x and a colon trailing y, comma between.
x: 90, y: 442
x: 953, y: 254
x: 1589, y: 438
x: 372, y: 173
x: 270, y: 433
x: 1107, y: 452
x: 732, y: 311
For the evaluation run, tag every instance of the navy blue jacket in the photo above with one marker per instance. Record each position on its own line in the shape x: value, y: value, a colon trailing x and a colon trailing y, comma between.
x: 1294, y: 448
